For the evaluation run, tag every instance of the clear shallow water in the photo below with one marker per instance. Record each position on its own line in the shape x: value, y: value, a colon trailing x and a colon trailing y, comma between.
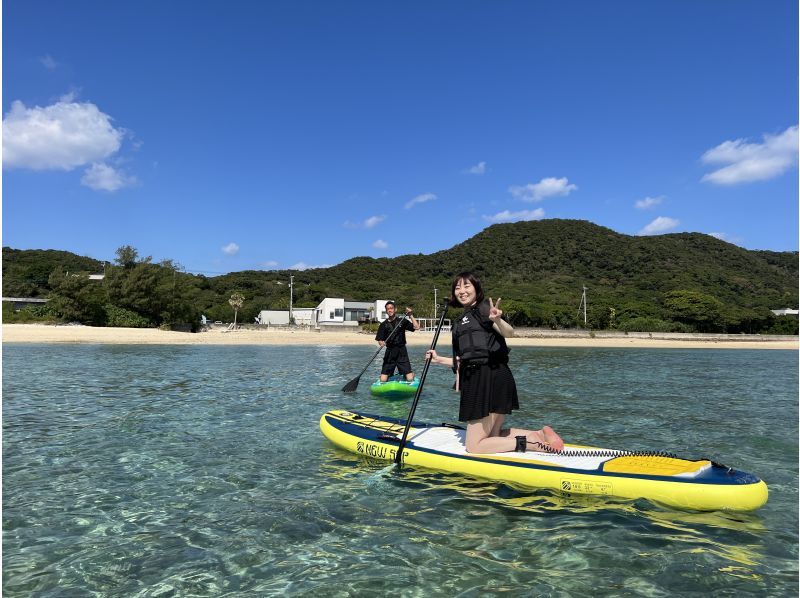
x: 195, y: 471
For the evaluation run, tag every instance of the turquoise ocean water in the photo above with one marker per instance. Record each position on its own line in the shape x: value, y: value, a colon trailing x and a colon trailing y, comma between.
x: 201, y: 471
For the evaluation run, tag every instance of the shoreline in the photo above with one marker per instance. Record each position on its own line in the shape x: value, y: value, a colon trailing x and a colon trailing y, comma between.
x: 71, y: 334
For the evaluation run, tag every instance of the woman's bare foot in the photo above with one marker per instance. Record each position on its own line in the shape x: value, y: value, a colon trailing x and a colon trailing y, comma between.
x: 536, y: 440
x: 553, y: 439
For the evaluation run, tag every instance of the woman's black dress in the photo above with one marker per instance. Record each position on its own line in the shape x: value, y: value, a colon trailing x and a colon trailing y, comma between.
x: 486, y: 387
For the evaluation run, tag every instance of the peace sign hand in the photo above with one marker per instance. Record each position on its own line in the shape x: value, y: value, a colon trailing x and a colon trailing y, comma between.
x: 494, y: 309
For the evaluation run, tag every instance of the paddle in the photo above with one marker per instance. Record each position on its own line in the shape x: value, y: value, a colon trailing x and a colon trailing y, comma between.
x: 398, y: 458
x: 353, y: 384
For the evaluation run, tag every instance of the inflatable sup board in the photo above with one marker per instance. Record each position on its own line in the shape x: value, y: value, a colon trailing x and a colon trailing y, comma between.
x: 698, y: 484
x: 395, y: 387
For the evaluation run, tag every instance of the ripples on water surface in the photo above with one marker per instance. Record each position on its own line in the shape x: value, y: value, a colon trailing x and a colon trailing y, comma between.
x: 161, y: 471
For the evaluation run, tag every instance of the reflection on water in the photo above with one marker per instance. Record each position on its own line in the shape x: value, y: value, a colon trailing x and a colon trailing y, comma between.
x: 686, y: 527
x: 201, y: 471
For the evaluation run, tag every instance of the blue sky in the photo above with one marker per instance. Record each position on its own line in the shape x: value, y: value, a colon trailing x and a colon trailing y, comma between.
x: 274, y: 135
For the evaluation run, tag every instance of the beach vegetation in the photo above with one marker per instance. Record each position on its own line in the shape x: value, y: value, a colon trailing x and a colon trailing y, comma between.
x: 370, y: 327
x: 701, y: 311
x: 120, y: 317
x: 75, y: 298
x: 134, y: 293
x: 782, y: 325
x: 649, y: 324
x: 28, y: 314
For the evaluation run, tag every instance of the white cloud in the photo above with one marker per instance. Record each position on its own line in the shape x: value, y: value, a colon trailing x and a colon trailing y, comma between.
x: 62, y: 136
x: 230, y: 249
x: 303, y: 266
x: 420, y: 199
x: 648, y: 202
x: 373, y: 221
x: 370, y: 222
x: 380, y: 244
x: 727, y: 238
x: 479, y: 168
x: 748, y: 162
x: 508, y: 216
x: 547, y: 187
x: 48, y: 62
x: 102, y: 177
x: 69, y: 97
x: 659, y: 225
x: 268, y: 264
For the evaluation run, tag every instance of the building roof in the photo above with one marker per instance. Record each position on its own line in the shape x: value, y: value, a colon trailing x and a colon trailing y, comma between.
x: 359, y: 304
x: 25, y: 299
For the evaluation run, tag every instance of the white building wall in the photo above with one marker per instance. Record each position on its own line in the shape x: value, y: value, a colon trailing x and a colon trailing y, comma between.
x: 273, y: 317
x: 303, y: 316
x: 330, y: 310
x: 380, y: 309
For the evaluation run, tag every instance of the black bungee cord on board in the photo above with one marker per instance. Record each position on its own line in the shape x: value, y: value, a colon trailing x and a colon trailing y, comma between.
x: 546, y: 448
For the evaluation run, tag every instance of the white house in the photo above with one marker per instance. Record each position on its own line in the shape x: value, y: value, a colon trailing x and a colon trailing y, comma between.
x: 333, y: 312
x: 785, y: 312
x: 340, y: 312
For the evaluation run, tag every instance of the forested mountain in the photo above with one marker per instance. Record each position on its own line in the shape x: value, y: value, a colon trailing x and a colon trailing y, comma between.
x: 684, y: 281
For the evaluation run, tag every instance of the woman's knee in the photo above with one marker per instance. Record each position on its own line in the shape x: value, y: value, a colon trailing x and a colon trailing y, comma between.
x: 473, y: 440
x: 472, y: 445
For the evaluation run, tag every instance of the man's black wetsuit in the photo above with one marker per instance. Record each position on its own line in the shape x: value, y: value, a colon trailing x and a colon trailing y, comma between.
x: 396, y: 355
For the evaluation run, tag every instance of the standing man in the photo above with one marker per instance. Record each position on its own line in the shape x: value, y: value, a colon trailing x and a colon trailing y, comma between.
x: 396, y: 355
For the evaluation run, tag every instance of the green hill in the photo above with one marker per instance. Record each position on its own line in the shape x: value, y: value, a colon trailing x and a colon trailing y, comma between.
x: 25, y: 271
x: 539, y: 268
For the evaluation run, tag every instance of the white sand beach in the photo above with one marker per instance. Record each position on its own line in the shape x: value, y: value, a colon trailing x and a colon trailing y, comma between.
x: 42, y: 333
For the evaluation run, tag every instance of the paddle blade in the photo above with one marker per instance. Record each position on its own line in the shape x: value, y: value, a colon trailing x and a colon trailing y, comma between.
x: 352, y: 385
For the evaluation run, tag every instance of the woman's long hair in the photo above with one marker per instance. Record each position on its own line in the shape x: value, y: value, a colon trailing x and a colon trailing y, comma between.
x: 473, y: 280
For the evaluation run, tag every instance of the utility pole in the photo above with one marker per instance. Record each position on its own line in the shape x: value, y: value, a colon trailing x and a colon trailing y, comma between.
x: 583, y: 304
x: 435, y: 302
x: 291, y: 293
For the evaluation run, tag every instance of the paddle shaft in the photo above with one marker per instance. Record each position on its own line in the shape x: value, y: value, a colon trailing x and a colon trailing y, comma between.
x: 391, y: 334
x: 398, y: 458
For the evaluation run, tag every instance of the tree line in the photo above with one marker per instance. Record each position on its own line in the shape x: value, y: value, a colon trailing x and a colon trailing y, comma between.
x: 683, y: 282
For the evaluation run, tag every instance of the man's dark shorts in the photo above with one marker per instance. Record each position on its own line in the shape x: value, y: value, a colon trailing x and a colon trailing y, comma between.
x: 396, y: 357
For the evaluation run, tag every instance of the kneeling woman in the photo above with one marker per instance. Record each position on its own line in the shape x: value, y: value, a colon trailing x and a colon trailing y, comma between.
x: 480, y: 360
